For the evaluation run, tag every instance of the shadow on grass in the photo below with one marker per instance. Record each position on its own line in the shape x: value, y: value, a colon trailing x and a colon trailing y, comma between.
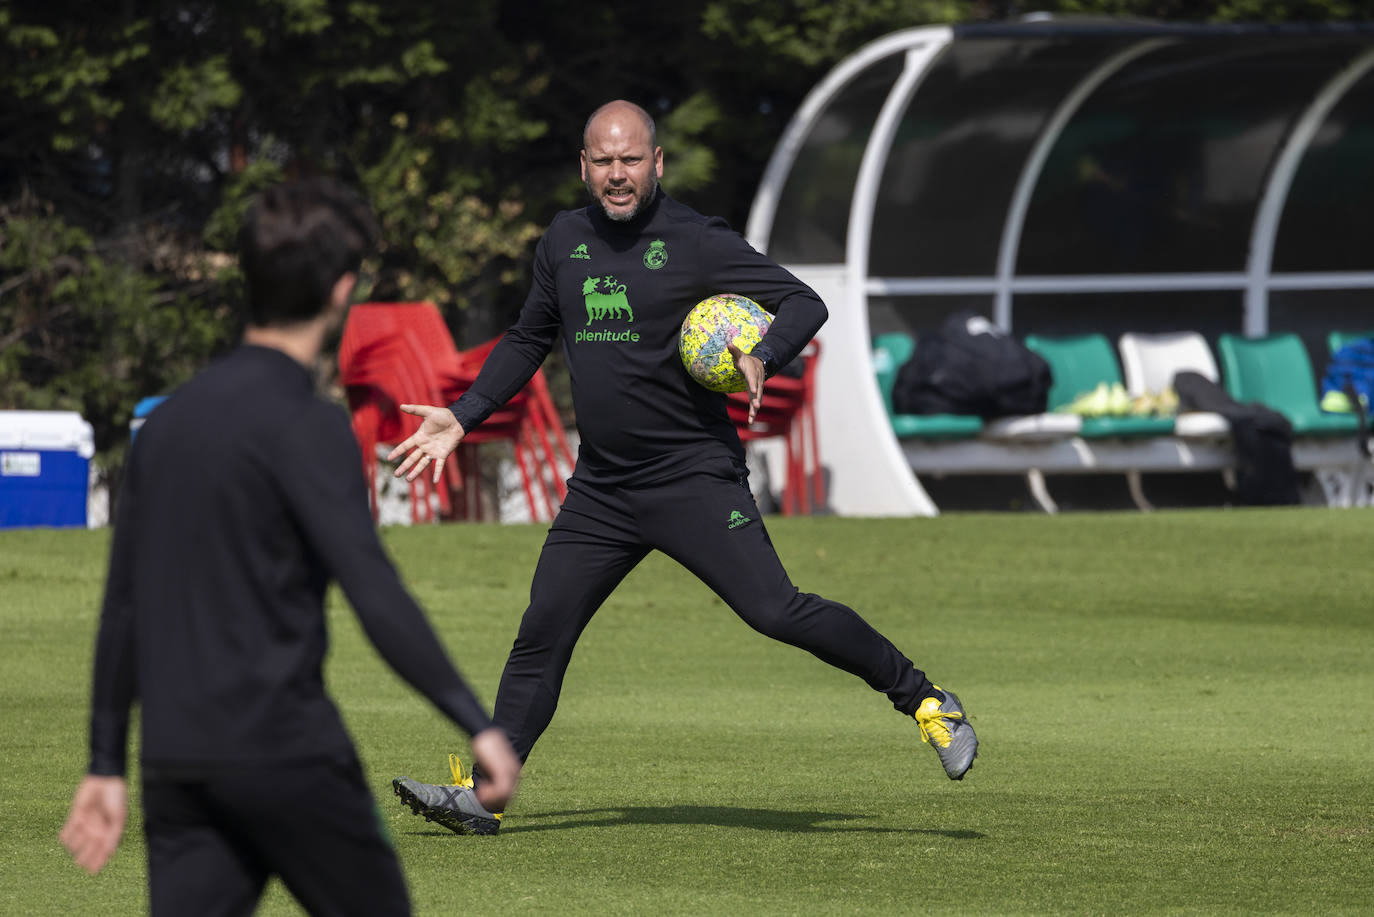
x: 785, y: 821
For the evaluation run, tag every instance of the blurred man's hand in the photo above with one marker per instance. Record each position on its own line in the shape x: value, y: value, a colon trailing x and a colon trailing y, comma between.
x: 500, y: 769
x: 96, y: 821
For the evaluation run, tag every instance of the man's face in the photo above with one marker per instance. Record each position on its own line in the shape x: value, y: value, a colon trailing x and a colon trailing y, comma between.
x: 620, y: 167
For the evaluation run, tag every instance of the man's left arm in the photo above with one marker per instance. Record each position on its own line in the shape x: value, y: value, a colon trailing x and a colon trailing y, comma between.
x: 100, y: 806
x: 324, y: 488
x: 114, y: 683
x: 732, y: 265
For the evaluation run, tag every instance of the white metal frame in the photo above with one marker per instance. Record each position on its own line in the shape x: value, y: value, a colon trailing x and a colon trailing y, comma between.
x: 1270, y: 210
x: 759, y: 229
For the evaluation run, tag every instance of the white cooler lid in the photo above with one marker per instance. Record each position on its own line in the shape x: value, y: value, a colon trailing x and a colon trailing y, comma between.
x: 52, y: 431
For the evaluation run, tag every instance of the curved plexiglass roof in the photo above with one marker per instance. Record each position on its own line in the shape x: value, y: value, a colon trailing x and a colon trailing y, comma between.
x: 1065, y: 177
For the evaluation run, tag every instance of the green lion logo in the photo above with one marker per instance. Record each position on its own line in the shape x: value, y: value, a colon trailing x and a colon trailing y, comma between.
x: 737, y: 519
x: 605, y: 299
x: 581, y: 253
x: 656, y: 256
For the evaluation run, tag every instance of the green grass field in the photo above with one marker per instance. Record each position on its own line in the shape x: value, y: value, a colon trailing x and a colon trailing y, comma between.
x: 1176, y: 713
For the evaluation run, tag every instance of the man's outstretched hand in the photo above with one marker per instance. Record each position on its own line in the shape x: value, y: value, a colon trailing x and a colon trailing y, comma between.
x: 434, y: 442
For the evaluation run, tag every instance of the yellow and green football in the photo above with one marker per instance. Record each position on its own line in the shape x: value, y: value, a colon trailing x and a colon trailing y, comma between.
x: 709, y: 329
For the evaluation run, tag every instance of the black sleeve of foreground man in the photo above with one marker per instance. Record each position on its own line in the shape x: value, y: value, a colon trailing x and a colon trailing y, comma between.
x: 323, y: 483
x: 114, y: 684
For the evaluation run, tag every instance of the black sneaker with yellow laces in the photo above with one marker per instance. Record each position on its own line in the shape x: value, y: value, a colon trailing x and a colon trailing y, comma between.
x: 454, y: 806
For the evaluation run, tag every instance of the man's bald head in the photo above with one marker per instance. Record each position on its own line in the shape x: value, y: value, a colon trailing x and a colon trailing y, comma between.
x: 622, y: 110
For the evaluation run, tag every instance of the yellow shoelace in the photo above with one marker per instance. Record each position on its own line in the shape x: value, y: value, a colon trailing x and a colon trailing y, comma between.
x: 463, y: 778
x: 931, y: 720
x: 460, y: 777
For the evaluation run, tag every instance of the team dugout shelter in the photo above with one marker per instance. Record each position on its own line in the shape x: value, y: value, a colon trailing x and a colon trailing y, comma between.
x: 1064, y: 177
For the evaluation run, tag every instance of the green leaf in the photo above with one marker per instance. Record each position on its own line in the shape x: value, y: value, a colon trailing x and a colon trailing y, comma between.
x: 189, y: 94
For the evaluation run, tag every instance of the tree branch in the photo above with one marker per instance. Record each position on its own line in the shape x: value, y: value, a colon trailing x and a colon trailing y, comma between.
x: 8, y: 340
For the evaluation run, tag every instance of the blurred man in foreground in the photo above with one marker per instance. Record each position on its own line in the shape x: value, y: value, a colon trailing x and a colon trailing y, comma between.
x: 242, y: 500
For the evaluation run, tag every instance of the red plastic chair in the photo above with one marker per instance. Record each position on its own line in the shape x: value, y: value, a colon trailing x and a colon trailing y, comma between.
x: 395, y: 353
x: 788, y: 411
x: 378, y: 378
x: 526, y: 421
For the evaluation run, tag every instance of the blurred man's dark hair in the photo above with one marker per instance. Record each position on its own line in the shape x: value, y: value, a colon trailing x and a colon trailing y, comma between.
x: 297, y: 240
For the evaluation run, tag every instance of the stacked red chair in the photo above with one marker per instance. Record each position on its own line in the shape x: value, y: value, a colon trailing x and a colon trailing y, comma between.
x: 379, y: 374
x: 789, y: 411
x: 402, y: 353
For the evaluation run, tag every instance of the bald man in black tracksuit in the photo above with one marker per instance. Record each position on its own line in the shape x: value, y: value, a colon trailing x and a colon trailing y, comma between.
x: 660, y: 465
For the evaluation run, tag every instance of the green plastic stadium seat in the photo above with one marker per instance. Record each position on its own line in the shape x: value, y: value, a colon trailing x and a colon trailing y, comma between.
x: 1275, y: 371
x: 1113, y: 427
x: 892, y: 350
x: 937, y: 426
x: 1079, y: 363
x: 1338, y: 339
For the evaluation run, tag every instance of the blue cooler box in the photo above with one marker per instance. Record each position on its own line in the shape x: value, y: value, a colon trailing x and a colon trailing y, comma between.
x: 45, y: 468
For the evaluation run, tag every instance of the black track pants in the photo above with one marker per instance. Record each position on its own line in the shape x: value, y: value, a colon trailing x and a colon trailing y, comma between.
x: 213, y: 842
x: 709, y: 523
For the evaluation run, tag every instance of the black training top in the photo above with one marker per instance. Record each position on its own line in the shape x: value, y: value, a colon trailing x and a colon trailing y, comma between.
x: 243, y: 497
x: 617, y: 294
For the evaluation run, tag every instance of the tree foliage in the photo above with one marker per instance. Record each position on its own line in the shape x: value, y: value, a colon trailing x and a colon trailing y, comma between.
x: 133, y: 134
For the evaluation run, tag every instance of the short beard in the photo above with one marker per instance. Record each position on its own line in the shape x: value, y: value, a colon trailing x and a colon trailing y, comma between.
x: 641, y: 201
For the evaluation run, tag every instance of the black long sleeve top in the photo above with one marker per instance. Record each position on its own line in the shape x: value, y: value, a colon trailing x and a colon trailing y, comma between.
x: 616, y: 294
x: 242, y: 499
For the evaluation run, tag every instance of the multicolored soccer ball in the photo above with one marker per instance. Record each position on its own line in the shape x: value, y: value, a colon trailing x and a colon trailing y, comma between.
x: 708, y: 331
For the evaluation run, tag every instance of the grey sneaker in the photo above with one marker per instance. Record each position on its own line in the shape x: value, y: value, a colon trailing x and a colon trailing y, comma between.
x: 455, y: 807
x: 946, y: 727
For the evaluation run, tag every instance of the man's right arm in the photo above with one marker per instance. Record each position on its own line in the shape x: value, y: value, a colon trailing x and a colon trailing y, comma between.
x: 521, y: 350
x: 508, y: 368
